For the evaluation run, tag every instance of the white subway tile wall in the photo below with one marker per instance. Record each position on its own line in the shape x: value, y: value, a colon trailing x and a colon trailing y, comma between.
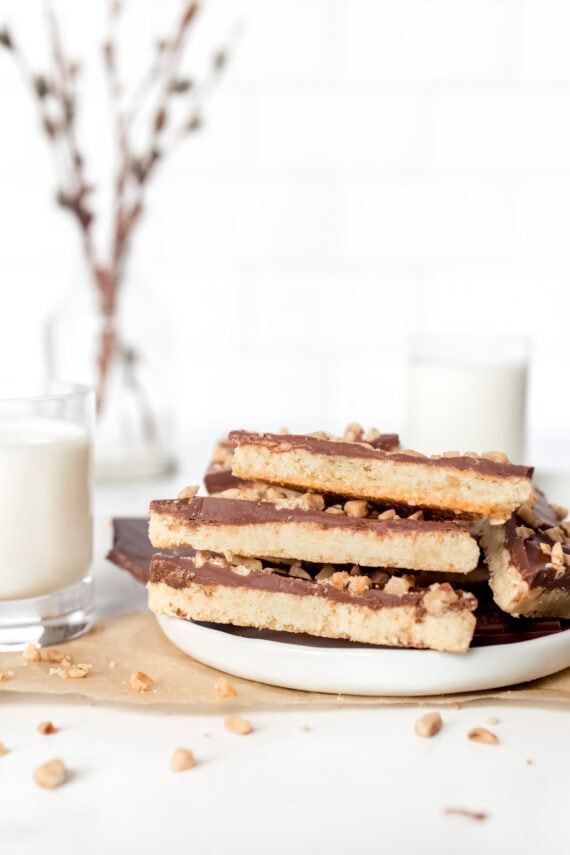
x: 367, y: 168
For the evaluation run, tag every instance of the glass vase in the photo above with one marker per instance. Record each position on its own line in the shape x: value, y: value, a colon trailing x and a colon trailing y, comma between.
x: 126, y: 355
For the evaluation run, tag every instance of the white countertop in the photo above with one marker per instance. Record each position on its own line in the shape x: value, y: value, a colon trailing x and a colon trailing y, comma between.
x: 357, y: 780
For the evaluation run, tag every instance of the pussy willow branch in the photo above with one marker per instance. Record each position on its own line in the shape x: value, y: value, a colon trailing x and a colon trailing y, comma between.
x: 55, y: 93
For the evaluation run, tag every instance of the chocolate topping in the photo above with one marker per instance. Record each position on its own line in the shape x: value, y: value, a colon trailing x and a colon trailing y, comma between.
x: 177, y: 572
x: 222, y: 511
x: 279, y: 444
x: 534, y: 565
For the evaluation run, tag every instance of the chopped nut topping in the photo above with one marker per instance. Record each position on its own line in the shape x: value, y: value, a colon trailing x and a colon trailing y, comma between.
x: 557, y: 554
x: 32, y: 653
x: 397, y: 585
x: 299, y: 572
x: 481, y: 734
x: 417, y: 515
x: 74, y: 672
x: 188, y: 492
x: 556, y: 534
x: 340, y: 579
x: 388, y: 515
x: 353, y: 433
x: 334, y: 509
x: 379, y: 577
x: 182, y: 759
x: 523, y: 532
x: 496, y: 456
x: 237, y: 724
x: 566, y: 527
x: 312, y: 501
x: 438, y: 598
x: 325, y: 573
x: 546, y: 548
x: 411, y: 452
x: 356, y: 508
x: 140, y: 682
x: 428, y: 725
x: 51, y: 774
x: 224, y: 689
x: 46, y: 727
x: 371, y: 435
x: 560, y: 511
x: 251, y: 564
x: 526, y: 513
x: 359, y: 584
x: 355, y: 570
x: 451, y: 454
x: 471, y: 454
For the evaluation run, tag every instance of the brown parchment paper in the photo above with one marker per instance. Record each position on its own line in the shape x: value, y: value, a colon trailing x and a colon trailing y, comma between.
x: 132, y: 642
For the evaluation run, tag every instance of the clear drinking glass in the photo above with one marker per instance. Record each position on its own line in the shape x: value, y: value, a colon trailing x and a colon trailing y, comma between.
x: 46, y: 520
x: 467, y: 393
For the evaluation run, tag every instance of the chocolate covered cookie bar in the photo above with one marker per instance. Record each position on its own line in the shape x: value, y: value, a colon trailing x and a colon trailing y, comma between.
x: 483, y: 486
x: 529, y: 561
x: 219, y: 475
x: 327, y: 601
x: 305, y: 527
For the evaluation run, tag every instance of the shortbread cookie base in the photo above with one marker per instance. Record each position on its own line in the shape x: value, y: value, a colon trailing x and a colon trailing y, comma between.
x: 511, y: 591
x: 398, y: 626
x: 466, y: 485
x: 315, y: 536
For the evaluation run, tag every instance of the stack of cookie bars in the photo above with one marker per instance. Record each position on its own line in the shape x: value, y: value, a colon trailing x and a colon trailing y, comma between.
x: 356, y: 538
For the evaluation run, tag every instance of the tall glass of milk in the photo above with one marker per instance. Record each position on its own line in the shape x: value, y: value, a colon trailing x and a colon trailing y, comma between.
x: 467, y: 393
x: 46, y: 521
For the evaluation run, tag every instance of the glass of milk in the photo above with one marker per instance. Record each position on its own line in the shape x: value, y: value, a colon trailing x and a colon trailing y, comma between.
x: 46, y: 521
x: 467, y: 393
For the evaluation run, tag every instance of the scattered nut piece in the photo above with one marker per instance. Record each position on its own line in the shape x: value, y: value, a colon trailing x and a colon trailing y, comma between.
x: 224, y: 689
x: 481, y: 734
x: 387, y: 515
x: 417, y: 515
x: 74, y: 672
x: 140, y: 682
x: 492, y: 721
x: 356, y: 508
x: 32, y: 653
x: 325, y: 573
x: 334, y: 509
x: 438, y: 598
x: 379, y: 577
x: 188, y: 492
x: 46, y: 727
x: 51, y: 774
x: 428, y: 725
x: 237, y: 724
x: 457, y: 705
x: 52, y: 654
x: 451, y: 454
x: 3, y: 676
x: 182, y: 759
x: 557, y: 554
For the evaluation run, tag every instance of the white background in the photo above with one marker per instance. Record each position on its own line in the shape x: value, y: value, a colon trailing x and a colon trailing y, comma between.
x: 366, y: 168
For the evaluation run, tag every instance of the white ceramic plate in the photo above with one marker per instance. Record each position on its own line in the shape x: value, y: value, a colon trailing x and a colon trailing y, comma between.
x: 338, y: 667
